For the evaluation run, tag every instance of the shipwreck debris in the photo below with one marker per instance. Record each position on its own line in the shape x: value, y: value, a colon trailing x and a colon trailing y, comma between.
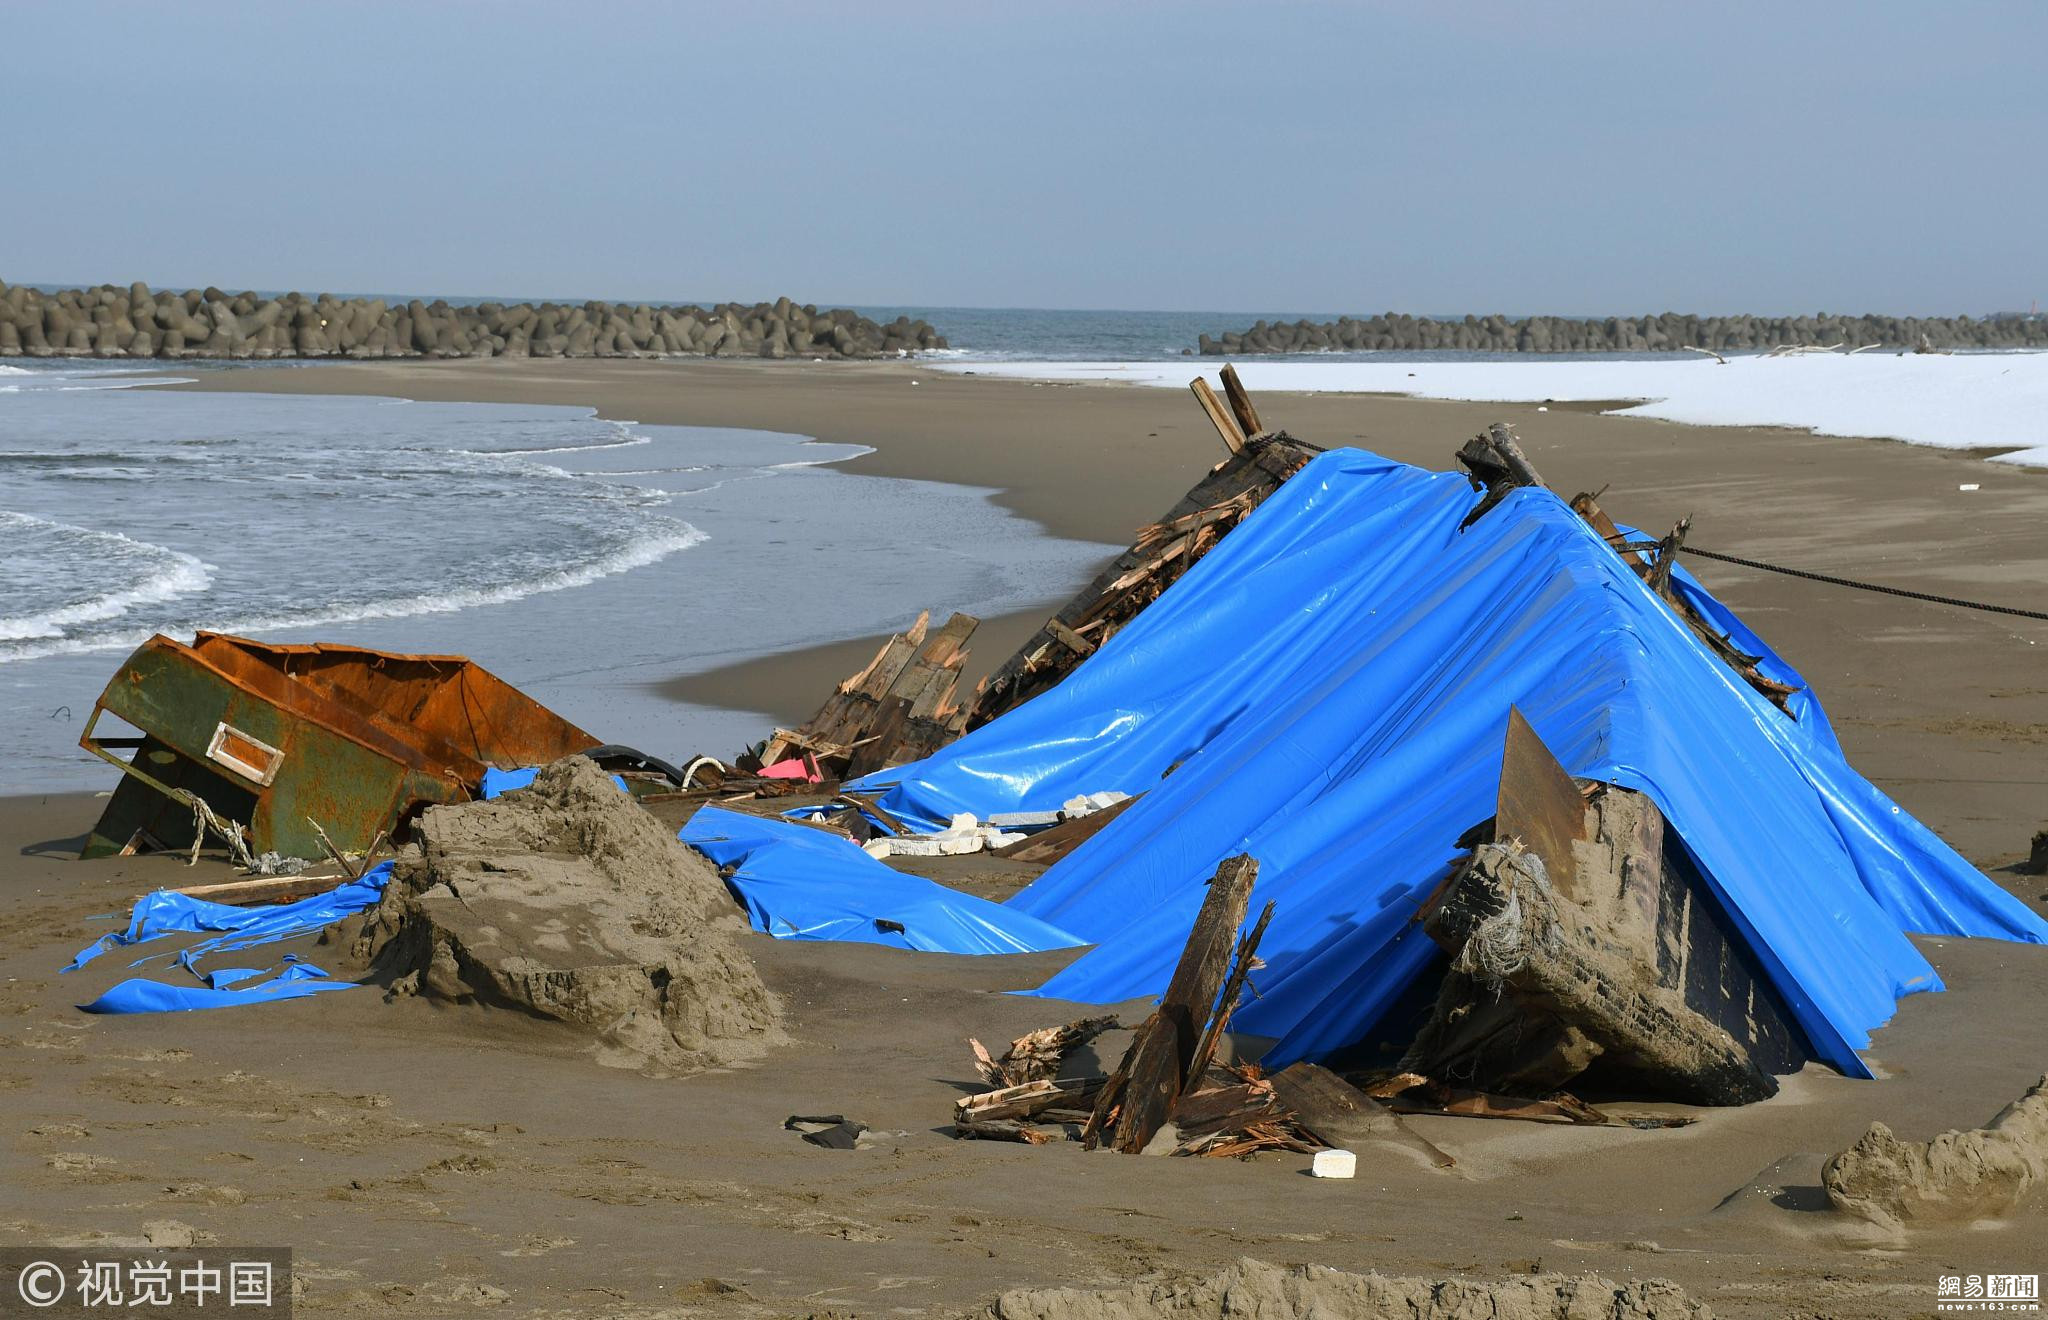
x: 253, y: 741
x: 1582, y: 939
x: 900, y: 708
x: 1169, y: 1095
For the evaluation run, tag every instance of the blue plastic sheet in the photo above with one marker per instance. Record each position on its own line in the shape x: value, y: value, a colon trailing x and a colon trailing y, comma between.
x: 164, y: 913
x: 498, y: 781
x: 230, y: 987
x: 1330, y: 687
x: 800, y: 883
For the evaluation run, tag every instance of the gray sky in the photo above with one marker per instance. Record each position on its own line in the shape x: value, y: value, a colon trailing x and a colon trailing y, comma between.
x: 1567, y: 157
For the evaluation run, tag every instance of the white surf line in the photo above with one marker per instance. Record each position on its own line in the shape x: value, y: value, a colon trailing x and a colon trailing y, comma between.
x: 1959, y: 401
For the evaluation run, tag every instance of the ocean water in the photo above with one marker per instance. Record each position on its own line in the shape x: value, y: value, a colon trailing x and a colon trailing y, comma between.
x: 584, y: 560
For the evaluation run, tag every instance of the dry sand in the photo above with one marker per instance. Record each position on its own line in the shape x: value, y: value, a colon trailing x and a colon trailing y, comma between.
x: 426, y: 1158
x: 569, y: 902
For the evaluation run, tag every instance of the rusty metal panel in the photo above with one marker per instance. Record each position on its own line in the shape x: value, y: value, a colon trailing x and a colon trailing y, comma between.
x: 1539, y: 804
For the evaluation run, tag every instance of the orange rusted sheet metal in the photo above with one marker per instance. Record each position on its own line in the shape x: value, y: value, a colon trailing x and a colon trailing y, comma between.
x: 275, y: 737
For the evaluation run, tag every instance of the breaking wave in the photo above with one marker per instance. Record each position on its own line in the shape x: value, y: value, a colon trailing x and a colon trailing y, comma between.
x: 157, y: 575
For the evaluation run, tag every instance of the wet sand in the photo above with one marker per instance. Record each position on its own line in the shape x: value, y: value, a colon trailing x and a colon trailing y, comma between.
x: 426, y: 1161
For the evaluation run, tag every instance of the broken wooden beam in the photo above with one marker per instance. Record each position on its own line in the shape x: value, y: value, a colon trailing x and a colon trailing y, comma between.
x: 1226, y: 425
x: 1038, y: 1055
x: 1141, y: 1092
x: 1342, y: 1116
x: 1242, y: 964
x: 1240, y: 401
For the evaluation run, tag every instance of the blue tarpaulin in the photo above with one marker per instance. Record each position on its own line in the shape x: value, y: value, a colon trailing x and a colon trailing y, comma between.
x: 1329, y: 688
x: 164, y: 913
x: 498, y: 781
x: 230, y: 987
x: 800, y: 883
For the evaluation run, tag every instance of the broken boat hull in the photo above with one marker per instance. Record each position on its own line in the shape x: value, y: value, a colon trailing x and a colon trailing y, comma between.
x: 279, y: 737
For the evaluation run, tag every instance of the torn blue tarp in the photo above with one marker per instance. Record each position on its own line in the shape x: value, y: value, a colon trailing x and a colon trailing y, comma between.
x: 229, y: 987
x: 498, y: 781
x: 165, y: 913
x: 1329, y: 689
x: 800, y: 883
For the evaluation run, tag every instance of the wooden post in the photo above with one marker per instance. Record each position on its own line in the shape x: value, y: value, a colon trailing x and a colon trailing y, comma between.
x: 1226, y: 426
x: 1240, y: 401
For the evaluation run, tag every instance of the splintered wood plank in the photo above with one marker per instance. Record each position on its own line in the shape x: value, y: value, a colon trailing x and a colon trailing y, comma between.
x: 1226, y: 425
x: 1074, y: 641
x: 1240, y: 401
x: 1164, y: 1050
x: 890, y: 662
x: 1539, y: 804
x: 1025, y: 1100
x: 883, y: 732
x: 1198, y: 1113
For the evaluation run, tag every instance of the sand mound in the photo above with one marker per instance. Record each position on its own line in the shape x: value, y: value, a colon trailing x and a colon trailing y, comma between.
x: 569, y: 901
x: 1253, y: 1288
x: 1979, y: 1173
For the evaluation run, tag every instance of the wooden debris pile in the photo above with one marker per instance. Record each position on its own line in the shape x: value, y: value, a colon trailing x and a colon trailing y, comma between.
x: 1168, y: 1095
x: 1167, y: 1074
x: 1258, y: 463
x: 900, y: 708
x: 906, y: 705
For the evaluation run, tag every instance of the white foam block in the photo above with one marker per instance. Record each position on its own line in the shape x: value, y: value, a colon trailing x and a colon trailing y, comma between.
x: 1334, y: 1164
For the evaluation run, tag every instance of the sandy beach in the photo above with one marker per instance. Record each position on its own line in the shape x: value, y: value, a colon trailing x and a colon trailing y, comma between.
x: 1944, y: 709
x: 428, y: 1161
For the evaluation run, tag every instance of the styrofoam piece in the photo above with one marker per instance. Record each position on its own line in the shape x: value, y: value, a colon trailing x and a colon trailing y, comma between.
x: 1014, y: 820
x: 1334, y: 1164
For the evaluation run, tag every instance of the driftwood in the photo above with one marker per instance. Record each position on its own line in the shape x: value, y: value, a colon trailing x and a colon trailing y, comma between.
x: 1038, y: 1055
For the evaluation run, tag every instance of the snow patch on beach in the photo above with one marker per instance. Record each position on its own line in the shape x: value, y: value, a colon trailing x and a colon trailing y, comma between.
x: 1959, y: 401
